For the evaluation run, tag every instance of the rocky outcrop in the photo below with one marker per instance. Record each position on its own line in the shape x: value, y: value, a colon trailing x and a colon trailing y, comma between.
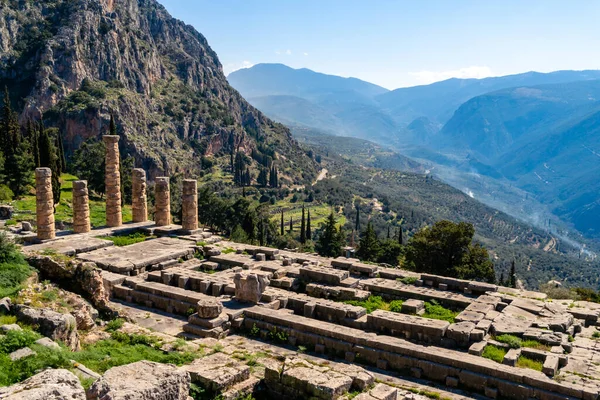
x: 50, y: 323
x: 83, y: 277
x: 143, y: 380
x: 88, y: 59
x: 51, y: 384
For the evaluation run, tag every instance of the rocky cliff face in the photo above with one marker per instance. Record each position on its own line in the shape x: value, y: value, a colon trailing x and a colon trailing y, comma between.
x: 75, y: 62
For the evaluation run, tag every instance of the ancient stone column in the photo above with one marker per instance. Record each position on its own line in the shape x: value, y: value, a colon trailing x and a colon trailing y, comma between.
x: 112, y: 182
x: 81, y: 207
x: 162, y: 200
x: 44, y: 206
x: 139, y: 199
x: 189, y: 204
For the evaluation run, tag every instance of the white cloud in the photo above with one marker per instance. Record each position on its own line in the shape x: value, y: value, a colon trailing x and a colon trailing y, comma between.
x: 232, y: 67
x: 475, y: 71
x: 305, y: 54
x: 287, y: 52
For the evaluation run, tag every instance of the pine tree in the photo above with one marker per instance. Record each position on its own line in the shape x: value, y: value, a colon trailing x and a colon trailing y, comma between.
x: 513, y: 275
x: 303, y: 228
x: 369, y: 247
x: 331, y: 240
x: 282, y: 224
x: 308, y: 230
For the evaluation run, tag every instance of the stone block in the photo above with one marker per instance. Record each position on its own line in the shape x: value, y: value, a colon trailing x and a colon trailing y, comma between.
x: 451, y: 381
x: 413, y: 306
x: 477, y: 348
x: 550, y: 365
x: 511, y: 357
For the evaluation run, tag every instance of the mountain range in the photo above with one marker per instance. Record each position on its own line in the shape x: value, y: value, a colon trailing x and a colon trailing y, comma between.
x: 534, y: 131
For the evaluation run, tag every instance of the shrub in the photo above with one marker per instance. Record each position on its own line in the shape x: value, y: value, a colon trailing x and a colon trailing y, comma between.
x: 396, y: 305
x: 15, y: 340
x: 255, y: 331
x: 5, y: 193
x: 409, y: 280
x: 115, y: 325
x: 371, y: 304
x: 494, y: 353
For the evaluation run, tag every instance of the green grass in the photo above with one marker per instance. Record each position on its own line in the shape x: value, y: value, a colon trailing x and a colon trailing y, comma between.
x: 435, y: 311
x: 13, y: 268
x: 513, y: 341
x: 596, y: 335
x: 371, y: 304
x: 121, y: 349
x: 526, y: 362
x: 534, y: 344
x: 409, y: 280
x: 228, y: 250
x: 64, y: 210
x: 8, y: 319
x: 494, y: 353
x: 126, y: 240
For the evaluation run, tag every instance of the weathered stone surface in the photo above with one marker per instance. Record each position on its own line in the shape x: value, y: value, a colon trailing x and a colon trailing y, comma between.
x: 81, y: 207
x: 47, y: 342
x: 250, y: 287
x: 139, y: 199
x: 162, y: 207
x: 44, y: 204
x: 143, y: 380
x: 209, y: 308
x: 5, y: 304
x: 189, y: 204
x: 54, y: 325
x: 6, y: 211
x: 10, y: 327
x: 51, y: 384
x: 112, y: 181
x: 21, y: 353
x: 26, y: 226
x: 413, y: 306
x: 217, y: 372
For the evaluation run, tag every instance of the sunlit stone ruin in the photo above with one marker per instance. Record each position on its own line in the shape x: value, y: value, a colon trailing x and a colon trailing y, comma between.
x: 293, y: 308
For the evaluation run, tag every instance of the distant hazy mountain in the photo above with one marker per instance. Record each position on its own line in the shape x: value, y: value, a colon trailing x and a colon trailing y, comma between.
x: 336, y: 105
x: 279, y: 79
x: 439, y: 100
x: 544, y: 138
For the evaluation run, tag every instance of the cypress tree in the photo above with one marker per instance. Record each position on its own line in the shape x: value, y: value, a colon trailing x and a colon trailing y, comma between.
x: 61, y: 152
x: 248, y: 177
x: 502, y: 283
x: 303, y: 228
x: 49, y: 159
x: 388, y: 234
x: 308, y: 232
x: 32, y: 134
x: 513, y: 275
x: 282, y: 224
x: 400, y: 240
x: 291, y: 224
x: 357, y: 224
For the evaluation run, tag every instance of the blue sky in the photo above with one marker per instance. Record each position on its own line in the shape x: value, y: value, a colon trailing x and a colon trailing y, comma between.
x: 400, y: 43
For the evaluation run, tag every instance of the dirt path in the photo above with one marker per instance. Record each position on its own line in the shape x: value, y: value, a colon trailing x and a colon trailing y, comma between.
x: 322, y: 175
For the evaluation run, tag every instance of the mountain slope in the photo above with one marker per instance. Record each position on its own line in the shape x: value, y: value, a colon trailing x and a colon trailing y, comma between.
x: 76, y: 62
x: 439, y: 100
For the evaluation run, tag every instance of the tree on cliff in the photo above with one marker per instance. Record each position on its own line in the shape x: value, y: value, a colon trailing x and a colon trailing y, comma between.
x: 446, y: 249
